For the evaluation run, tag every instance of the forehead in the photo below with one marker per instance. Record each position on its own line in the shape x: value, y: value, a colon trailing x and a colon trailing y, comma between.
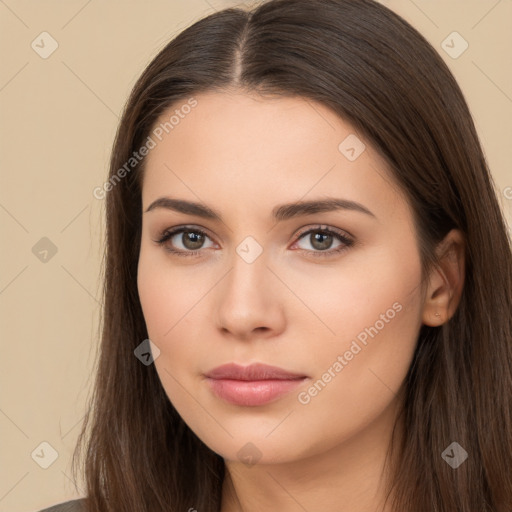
x: 249, y: 148
x: 248, y: 126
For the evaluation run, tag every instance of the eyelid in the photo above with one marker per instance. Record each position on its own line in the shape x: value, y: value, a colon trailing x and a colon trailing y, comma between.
x: 324, y: 227
x: 346, y: 241
x: 169, y: 233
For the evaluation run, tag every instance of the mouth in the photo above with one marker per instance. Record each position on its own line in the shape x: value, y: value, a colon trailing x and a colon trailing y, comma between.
x: 253, y: 385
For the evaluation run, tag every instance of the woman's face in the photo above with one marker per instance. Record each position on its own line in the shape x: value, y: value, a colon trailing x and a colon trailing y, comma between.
x: 328, y: 293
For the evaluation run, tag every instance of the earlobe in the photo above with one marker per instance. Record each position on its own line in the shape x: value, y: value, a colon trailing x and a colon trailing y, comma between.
x: 446, y: 281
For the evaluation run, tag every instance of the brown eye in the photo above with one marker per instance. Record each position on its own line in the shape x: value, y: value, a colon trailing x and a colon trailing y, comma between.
x: 184, y: 241
x: 192, y: 239
x: 321, y: 241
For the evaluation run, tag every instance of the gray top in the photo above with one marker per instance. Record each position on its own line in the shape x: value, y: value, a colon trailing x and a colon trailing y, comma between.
x: 76, y: 505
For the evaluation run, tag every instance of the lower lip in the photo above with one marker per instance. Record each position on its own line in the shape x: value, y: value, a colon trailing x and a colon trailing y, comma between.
x: 252, y: 392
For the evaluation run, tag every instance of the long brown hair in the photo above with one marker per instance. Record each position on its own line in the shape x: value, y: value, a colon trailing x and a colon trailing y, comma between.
x: 377, y: 72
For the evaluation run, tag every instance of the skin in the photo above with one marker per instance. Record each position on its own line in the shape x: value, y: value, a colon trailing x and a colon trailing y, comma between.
x: 242, y: 154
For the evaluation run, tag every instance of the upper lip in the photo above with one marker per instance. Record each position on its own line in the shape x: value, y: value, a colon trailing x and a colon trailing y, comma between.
x: 255, y: 371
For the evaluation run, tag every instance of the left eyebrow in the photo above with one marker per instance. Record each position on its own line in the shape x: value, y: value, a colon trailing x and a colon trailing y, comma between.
x: 290, y: 210
x: 279, y: 213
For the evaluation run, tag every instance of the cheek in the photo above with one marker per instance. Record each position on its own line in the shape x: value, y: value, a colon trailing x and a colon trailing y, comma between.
x: 383, y: 313
x: 378, y: 317
x: 366, y: 288
x: 167, y: 295
x: 359, y: 377
x: 155, y: 299
x: 171, y: 304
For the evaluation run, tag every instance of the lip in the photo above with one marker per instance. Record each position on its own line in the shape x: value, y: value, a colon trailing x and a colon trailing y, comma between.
x: 255, y: 371
x: 253, y: 385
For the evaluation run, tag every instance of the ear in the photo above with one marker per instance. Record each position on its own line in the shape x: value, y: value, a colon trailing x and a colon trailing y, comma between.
x: 446, y: 281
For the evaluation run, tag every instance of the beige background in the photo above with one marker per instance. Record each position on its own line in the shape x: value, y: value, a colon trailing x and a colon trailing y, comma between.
x: 58, y: 119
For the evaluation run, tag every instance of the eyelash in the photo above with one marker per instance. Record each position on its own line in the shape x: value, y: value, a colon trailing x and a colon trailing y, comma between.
x: 346, y: 241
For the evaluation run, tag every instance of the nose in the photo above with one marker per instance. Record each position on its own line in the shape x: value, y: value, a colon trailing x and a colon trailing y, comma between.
x: 249, y: 301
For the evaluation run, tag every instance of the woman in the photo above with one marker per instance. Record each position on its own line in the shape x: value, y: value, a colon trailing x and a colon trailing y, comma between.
x: 308, y: 278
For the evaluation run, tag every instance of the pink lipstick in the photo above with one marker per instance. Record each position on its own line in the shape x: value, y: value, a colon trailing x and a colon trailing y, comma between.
x: 253, y: 385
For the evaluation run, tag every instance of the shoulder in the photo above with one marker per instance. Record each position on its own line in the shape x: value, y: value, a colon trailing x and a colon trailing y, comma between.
x: 77, y: 505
